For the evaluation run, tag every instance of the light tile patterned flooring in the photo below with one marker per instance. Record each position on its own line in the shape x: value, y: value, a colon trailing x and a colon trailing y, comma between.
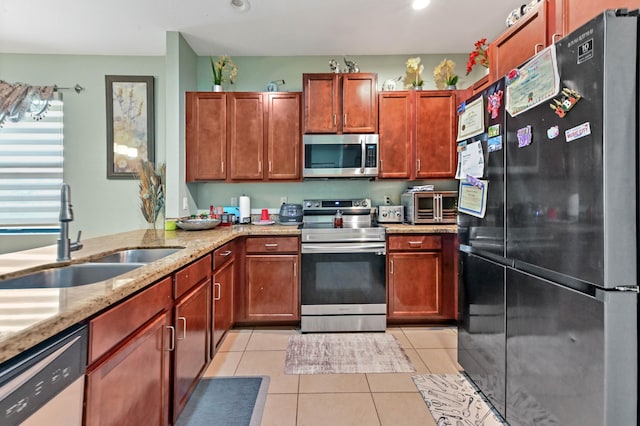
x: 337, y: 399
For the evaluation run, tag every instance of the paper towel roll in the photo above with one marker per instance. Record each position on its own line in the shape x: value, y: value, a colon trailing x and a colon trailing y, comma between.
x: 245, y: 209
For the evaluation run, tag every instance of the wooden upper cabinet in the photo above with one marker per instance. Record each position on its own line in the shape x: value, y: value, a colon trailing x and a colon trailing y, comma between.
x: 246, y: 135
x: 435, y: 127
x: 321, y: 102
x: 283, y: 136
x: 569, y: 15
x: 359, y: 103
x: 395, y: 139
x: 340, y: 103
x: 519, y: 43
x: 206, y: 136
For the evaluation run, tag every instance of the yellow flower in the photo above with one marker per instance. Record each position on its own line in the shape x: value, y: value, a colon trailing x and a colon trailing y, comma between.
x: 414, y: 67
x: 443, y: 74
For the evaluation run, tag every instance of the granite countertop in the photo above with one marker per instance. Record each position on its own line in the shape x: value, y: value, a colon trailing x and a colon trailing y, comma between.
x: 52, y: 310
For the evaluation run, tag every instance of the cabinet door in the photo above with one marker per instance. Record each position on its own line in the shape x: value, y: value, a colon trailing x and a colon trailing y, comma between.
x: 574, y: 13
x: 191, y: 355
x: 415, y: 285
x: 395, y: 127
x: 435, y: 134
x: 131, y: 386
x: 359, y: 103
x: 283, y: 136
x: 206, y: 136
x: 271, y: 288
x: 321, y: 103
x: 246, y: 136
x: 519, y: 43
x: 223, y: 280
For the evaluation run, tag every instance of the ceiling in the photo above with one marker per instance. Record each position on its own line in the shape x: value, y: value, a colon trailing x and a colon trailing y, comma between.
x: 268, y: 28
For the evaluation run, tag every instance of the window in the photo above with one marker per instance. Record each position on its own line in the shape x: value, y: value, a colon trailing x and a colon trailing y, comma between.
x: 31, y: 159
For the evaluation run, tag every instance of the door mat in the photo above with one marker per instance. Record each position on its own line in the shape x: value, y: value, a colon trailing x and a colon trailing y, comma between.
x: 453, y: 400
x: 346, y: 353
x: 229, y: 401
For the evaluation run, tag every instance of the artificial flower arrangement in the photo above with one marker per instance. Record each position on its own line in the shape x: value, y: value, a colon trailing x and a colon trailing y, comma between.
x: 415, y: 68
x: 479, y: 55
x: 443, y: 74
x: 223, y: 68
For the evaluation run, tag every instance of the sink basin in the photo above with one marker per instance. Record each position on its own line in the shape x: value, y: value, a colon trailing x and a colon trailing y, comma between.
x: 144, y: 255
x: 69, y: 276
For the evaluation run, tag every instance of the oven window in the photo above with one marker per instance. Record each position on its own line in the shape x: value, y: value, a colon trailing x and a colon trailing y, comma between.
x: 332, y: 156
x: 343, y: 278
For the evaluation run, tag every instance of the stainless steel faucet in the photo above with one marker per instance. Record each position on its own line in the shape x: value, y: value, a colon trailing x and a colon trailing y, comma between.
x: 65, y: 246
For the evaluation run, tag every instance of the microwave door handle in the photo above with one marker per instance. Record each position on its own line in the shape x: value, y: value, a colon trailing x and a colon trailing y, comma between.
x: 436, y: 207
x: 363, y: 150
x: 439, y: 212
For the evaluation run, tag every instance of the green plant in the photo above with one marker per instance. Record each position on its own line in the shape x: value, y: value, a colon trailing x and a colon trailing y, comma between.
x: 223, y: 68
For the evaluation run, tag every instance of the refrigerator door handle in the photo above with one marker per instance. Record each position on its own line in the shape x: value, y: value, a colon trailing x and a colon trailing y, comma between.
x: 629, y: 288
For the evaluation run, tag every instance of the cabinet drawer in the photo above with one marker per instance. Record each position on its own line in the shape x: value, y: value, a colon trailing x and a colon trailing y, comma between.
x: 272, y: 244
x: 223, y: 254
x: 415, y: 242
x: 191, y: 275
x: 110, y: 328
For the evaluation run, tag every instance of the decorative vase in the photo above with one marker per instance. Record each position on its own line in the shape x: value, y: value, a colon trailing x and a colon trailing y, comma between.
x: 217, y: 87
x: 451, y: 87
x: 417, y: 87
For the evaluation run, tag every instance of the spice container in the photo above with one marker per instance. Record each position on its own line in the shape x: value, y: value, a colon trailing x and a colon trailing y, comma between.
x: 337, y: 220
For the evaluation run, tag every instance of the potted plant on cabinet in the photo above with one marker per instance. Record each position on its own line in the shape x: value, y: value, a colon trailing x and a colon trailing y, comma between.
x: 223, y: 70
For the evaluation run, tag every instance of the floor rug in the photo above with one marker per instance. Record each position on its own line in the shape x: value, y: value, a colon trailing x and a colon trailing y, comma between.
x: 346, y: 353
x: 453, y: 400
x: 228, y: 401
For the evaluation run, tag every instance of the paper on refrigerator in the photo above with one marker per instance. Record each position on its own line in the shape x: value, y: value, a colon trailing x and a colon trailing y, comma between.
x: 470, y: 161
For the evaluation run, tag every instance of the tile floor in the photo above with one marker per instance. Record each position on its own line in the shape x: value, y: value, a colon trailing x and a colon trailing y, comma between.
x: 337, y: 399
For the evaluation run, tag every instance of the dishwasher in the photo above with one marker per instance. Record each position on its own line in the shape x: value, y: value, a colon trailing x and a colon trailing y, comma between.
x: 45, y: 385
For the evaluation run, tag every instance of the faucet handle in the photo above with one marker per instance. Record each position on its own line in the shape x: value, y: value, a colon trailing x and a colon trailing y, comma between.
x: 77, y: 245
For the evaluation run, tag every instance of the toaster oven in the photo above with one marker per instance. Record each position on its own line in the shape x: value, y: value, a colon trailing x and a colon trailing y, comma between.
x: 430, y: 207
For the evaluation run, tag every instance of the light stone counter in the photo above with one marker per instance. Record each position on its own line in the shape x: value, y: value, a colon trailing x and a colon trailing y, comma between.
x: 401, y: 228
x: 29, y: 316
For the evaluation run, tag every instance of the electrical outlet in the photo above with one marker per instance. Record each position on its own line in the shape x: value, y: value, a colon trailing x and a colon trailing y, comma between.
x: 387, y: 200
x: 283, y: 200
x: 185, y: 203
x: 234, y: 201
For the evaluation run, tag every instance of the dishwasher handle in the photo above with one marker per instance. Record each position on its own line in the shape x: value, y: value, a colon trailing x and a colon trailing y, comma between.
x: 348, y: 248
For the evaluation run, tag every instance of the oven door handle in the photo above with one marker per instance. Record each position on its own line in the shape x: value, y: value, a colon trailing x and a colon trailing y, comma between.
x: 377, y: 248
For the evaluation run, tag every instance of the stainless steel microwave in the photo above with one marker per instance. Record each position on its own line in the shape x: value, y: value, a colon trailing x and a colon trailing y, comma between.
x: 340, y: 156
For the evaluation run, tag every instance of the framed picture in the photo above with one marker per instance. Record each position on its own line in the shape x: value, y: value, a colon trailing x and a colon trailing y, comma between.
x: 130, y: 124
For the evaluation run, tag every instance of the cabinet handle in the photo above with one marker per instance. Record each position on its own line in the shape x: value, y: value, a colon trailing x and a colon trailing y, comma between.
x: 415, y: 243
x: 184, y: 328
x: 344, y: 118
x: 271, y: 245
x: 222, y: 164
x: 295, y: 269
x: 270, y: 167
x: 259, y: 166
x: 538, y: 47
x: 553, y: 37
x: 418, y: 164
x: 381, y: 168
x: 216, y: 285
x: 334, y: 119
x: 391, y: 267
x: 226, y: 253
x: 173, y: 337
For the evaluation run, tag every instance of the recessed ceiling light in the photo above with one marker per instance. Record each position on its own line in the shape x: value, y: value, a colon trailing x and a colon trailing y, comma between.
x: 420, y: 4
x: 240, y: 5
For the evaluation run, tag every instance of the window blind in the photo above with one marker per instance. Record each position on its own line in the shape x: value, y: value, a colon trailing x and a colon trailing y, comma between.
x: 31, y: 165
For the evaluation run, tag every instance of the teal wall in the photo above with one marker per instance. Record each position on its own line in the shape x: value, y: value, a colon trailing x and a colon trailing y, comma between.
x: 105, y: 206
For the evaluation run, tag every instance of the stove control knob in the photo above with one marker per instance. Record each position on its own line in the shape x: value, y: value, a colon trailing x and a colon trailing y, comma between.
x: 356, y: 203
x: 316, y: 204
x: 364, y: 203
x: 308, y: 204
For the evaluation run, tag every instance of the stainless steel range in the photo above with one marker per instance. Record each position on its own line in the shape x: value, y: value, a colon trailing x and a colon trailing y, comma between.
x: 343, y: 268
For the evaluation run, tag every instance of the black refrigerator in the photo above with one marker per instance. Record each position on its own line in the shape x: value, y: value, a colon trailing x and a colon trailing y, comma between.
x: 570, y: 260
x: 482, y: 269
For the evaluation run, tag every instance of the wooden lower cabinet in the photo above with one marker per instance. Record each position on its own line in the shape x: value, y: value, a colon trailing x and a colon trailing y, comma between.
x: 132, y: 385
x: 223, y: 281
x: 271, y: 287
x: 421, y: 277
x: 191, y: 353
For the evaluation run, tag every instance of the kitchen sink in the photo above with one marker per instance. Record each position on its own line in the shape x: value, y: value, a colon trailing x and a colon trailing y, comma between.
x: 143, y: 255
x: 69, y: 276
